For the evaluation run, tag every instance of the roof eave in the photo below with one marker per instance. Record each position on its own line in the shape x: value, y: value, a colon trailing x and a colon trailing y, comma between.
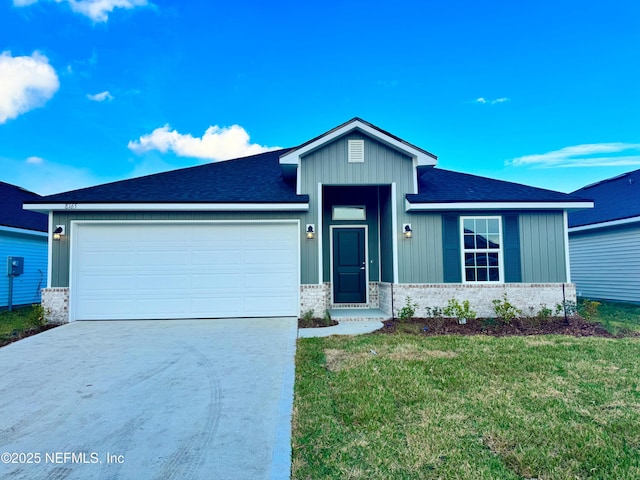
x: 169, y: 206
x: 605, y: 224
x: 506, y: 205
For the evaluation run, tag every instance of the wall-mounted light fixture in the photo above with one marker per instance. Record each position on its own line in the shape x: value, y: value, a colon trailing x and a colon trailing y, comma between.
x: 406, y: 230
x: 310, y: 231
x: 58, y: 232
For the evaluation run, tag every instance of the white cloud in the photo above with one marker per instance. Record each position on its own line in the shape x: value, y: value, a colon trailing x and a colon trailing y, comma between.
x: 485, y: 101
x: 100, y: 97
x: 586, y: 155
x: 35, y: 160
x: 96, y: 10
x: 216, y: 143
x: 25, y: 83
x: 45, y: 177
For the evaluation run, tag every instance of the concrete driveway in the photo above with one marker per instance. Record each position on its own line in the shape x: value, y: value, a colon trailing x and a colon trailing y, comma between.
x: 166, y: 399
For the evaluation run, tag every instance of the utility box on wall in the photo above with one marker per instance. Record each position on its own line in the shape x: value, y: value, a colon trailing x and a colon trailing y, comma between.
x: 15, y: 266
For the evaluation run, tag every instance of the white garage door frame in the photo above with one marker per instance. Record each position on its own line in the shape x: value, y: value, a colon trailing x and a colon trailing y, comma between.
x: 76, y: 225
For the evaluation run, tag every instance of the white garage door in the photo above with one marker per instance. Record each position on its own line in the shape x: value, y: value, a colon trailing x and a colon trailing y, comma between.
x: 156, y: 271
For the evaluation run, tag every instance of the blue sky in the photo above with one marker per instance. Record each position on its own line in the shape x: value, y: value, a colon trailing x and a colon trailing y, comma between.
x: 545, y: 93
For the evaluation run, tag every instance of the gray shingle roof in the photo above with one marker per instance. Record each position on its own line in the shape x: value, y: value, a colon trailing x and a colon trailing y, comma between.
x: 254, y: 179
x: 615, y: 198
x: 12, y: 213
x: 445, y: 186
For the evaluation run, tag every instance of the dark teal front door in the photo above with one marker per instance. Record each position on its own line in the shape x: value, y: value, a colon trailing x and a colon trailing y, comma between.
x: 349, y: 266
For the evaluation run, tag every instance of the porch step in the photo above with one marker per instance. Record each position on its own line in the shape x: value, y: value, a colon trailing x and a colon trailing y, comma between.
x: 358, y: 314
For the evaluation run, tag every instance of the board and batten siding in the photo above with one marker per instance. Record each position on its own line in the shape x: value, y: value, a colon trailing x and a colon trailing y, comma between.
x: 382, y: 165
x: 542, y: 249
x: 60, y: 249
x: 26, y: 287
x: 605, y: 264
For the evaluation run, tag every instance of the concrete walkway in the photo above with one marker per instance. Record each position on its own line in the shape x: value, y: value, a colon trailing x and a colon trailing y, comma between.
x: 350, y: 322
x: 164, y: 399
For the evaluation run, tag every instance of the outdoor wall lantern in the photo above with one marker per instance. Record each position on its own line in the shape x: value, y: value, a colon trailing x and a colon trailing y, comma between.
x: 406, y: 230
x: 58, y: 232
x: 311, y: 231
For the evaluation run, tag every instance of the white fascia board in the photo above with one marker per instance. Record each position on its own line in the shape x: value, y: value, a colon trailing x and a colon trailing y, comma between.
x: 23, y: 231
x: 413, y: 207
x: 293, y: 157
x: 153, y: 207
x: 611, y: 223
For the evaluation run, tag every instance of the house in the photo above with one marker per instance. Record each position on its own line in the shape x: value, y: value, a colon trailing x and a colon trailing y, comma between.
x: 604, y: 242
x: 23, y: 234
x: 354, y: 218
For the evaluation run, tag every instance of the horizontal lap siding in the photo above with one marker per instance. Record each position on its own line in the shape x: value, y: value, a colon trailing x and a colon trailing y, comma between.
x: 26, y: 287
x: 606, y: 265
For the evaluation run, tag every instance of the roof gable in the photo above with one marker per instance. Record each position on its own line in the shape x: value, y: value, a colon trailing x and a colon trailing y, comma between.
x: 13, y: 215
x: 615, y: 198
x: 422, y: 157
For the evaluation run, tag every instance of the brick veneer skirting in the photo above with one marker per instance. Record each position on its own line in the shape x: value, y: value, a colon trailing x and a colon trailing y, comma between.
x: 55, y: 302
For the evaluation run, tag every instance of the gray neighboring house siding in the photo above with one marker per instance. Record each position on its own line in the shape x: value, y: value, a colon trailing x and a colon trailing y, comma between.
x: 604, y: 242
x: 605, y: 264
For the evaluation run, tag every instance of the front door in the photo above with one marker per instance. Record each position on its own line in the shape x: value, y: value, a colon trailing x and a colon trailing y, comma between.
x: 349, y: 265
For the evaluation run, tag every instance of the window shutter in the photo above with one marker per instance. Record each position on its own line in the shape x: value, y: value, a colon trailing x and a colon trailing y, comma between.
x: 511, y: 239
x: 451, y: 250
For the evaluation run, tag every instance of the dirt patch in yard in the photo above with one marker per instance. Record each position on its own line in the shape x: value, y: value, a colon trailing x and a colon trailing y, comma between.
x: 574, y: 326
x: 20, y: 334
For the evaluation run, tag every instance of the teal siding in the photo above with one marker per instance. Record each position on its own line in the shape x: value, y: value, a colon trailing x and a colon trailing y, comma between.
x: 383, y: 166
x: 421, y: 256
x: 26, y: 287
x: 511, y: 241
x: 60, y: 253
x: 451, y: 251
x: 542, y: 247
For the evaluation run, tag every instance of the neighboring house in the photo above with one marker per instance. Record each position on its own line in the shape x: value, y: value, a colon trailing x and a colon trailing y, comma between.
x: 323, y: 225
x: 605, y: 241
x: 22, y: 234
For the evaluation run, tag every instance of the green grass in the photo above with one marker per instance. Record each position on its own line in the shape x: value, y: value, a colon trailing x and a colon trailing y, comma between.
x: 617, y: 316
x: 19, y: 320
x: 544, y: 407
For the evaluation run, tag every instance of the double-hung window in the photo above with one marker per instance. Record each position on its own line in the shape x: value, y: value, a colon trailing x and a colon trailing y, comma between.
x: 481, y: 239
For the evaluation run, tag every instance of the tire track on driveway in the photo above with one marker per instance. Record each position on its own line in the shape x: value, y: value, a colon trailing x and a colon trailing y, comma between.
x: 186, y: 462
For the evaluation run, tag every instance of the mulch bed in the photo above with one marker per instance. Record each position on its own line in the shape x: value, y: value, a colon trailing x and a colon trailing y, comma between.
x: 20, y: 334
x: 315, y: 323
x: 574, y: 326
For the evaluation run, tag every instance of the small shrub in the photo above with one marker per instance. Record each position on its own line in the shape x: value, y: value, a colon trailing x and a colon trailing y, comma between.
x: 327, y: 317
x: 407, y: 312
x: 36, y: 317
x: 544, y: 313
x: 589, y: 309
x: 456, y: 310
x: 307, y: 316
x: 505, y: 310
x: 567, y: 307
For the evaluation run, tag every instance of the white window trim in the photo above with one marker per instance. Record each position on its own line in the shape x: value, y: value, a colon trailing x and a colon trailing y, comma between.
x: 482, y: 250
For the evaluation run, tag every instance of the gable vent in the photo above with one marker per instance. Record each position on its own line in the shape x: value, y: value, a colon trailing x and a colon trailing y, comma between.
x: 356, y: 151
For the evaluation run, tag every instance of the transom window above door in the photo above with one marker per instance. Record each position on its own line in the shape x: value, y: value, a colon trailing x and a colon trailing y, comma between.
x: 342, y: 212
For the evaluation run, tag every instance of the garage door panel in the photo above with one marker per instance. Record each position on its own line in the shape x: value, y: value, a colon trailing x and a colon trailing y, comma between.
x: 184, y: 270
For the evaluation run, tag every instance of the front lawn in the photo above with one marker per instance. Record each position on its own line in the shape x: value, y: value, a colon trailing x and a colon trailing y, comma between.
x: 467, y: 407
x: 617, y: 316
